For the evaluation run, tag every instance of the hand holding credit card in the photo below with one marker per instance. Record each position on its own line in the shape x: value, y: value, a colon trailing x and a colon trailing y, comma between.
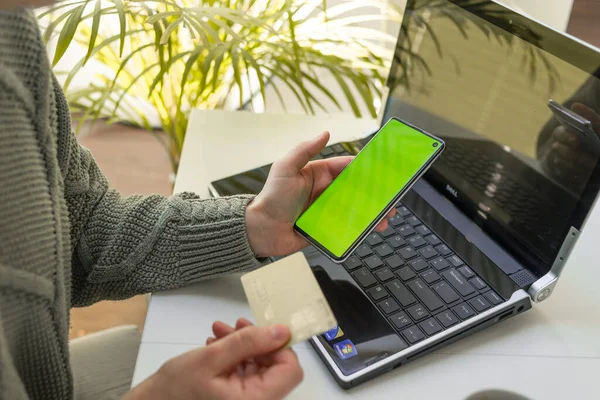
x: 286, y: 292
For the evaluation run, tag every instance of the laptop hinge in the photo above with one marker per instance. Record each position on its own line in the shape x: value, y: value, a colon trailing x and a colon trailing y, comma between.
x: 541, y: 289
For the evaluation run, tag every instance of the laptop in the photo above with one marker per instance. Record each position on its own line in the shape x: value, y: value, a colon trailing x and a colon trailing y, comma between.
x: 487, y: 231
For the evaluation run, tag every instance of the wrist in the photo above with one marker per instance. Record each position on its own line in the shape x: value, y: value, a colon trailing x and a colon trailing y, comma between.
x: 255, y: 229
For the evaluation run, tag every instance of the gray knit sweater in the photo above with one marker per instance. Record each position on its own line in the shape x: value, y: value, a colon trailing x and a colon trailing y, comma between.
x: 67, y: 239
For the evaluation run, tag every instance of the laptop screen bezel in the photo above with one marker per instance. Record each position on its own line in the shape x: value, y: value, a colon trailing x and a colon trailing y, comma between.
x: 561, y: 45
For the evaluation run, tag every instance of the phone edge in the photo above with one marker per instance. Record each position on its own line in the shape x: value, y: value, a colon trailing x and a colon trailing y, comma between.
x: 389, y: 207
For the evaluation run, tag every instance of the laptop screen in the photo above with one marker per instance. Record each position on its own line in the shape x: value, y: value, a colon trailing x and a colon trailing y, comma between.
x: 487, y: 80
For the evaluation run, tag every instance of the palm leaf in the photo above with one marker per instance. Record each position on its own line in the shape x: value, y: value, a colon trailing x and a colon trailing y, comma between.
x: 67, y: 33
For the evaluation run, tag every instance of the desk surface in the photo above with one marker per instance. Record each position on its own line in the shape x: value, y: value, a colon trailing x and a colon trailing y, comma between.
x: 550, y: 352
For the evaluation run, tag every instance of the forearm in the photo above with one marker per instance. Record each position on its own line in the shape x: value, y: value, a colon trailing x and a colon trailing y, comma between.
x: 142, y: 244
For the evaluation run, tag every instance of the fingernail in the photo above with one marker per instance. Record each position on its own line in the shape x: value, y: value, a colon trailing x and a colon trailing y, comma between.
x: 279, y: 332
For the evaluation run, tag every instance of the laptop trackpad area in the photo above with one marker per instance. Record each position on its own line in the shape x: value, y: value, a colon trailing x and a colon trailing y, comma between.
x: 363, y: 335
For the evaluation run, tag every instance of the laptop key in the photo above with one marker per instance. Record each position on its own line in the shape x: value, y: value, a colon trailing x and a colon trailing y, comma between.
x: 419, y: 264
x: 327, y: 151
x: 401, y: 293
x: 413, y: 221
x: 418, y: 312
x: 417, y: 241
x: 364, y: 251
x: 440, y: 263
x: 396, y: 241
x: 405, y: 274
x: 338, y: 148
x: 405, y: 231
x: 455, y: 261
x: 463, y: 311
x: 433, y: 240
x: 389, y: 231
x: 413, y: 334
x: 403, y: 211
x: 428, y: 252
x: 374, y: 239
x: 373, y: 262
x: 407, y: 253
x: 430, y: 276
x: 445, y: 292
x: 384, y: 250
x: 400, y: 320
x: 352, y: 263
x: 423, y: 230
x: 478, y: 283
x: 480, y: 304
x: 467, y: 272
x: 443, y: 250
x: 377, y: 293
x: 425, y: 295
x: 388, y: 306
x: 364, y: 277
x: 394, y: 261
x: 459, y: 283
x: 493, y: 297
x: 447, y: 318
x: 384, y: 274
x: 431, y: 326
x: 396, y: 220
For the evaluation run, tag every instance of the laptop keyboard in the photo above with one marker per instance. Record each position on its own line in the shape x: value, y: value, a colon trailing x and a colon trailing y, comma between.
x: 416, y: 280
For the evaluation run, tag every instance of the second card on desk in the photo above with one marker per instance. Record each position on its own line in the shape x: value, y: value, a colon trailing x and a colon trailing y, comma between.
x: 286, y: 292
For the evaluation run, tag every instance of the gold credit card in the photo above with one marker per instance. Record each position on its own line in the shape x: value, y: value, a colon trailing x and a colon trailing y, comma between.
x: 286, y: 292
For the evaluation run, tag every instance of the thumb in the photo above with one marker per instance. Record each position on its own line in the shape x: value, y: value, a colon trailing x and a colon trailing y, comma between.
x: 300, y: 155
x: 247, y: 343
x: 588, y: 114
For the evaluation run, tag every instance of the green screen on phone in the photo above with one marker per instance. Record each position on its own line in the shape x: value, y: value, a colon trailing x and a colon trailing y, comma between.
x: 367, y: 186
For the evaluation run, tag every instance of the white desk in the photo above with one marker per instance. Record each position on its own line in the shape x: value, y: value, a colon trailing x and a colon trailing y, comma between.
x: 550, y: 352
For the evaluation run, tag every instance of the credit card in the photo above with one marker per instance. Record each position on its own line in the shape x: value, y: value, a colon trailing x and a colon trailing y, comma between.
x: 286, y: 292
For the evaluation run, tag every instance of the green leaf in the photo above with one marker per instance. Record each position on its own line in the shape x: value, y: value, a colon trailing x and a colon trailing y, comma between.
x: 95, y: 27
x: 234, y: 35
x: 237, y: 74
x: 284, y: 78
x: 323, y: 89
x: 279, y: 96
x: 261, y: 80
x: 96, y: 50
x: 122, y: 23
x: 347, y: 92
x: 126, y: 60
x: 67, y: 33
x: 167, y: 33
x: 164, y: 69
x: 132, y: 83
x: 214, y: 54
x: 216, y: 68
x: 161, y: 16
x: 188, y: 67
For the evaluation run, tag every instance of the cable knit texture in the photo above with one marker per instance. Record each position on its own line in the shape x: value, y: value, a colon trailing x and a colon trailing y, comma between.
x: 67, y: 239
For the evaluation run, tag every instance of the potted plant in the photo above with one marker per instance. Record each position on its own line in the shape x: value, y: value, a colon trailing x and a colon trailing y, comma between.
x: 182, y: 54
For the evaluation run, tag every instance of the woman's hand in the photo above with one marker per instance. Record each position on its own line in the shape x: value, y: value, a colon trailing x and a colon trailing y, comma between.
x: 242, y: 363
x: 294, y: 182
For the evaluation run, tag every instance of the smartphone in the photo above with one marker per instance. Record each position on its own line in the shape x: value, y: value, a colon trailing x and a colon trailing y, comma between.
x: 578, y: 124
x: 368, y: 188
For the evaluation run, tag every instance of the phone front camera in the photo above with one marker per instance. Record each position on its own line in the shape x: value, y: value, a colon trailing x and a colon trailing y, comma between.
x: 435, y: 145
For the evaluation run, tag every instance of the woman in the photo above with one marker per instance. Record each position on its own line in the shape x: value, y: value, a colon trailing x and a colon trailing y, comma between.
x: 67, y: 239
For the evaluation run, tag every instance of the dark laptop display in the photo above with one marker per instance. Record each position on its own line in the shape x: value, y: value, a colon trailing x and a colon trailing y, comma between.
x: 483, y: 86
x: 491, y: 224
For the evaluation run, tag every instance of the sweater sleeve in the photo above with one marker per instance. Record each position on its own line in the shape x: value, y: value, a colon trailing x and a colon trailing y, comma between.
x: 125, y: 246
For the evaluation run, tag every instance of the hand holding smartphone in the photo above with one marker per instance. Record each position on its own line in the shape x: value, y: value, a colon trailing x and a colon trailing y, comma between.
x: 578, y: 124
x: 368, y: 188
